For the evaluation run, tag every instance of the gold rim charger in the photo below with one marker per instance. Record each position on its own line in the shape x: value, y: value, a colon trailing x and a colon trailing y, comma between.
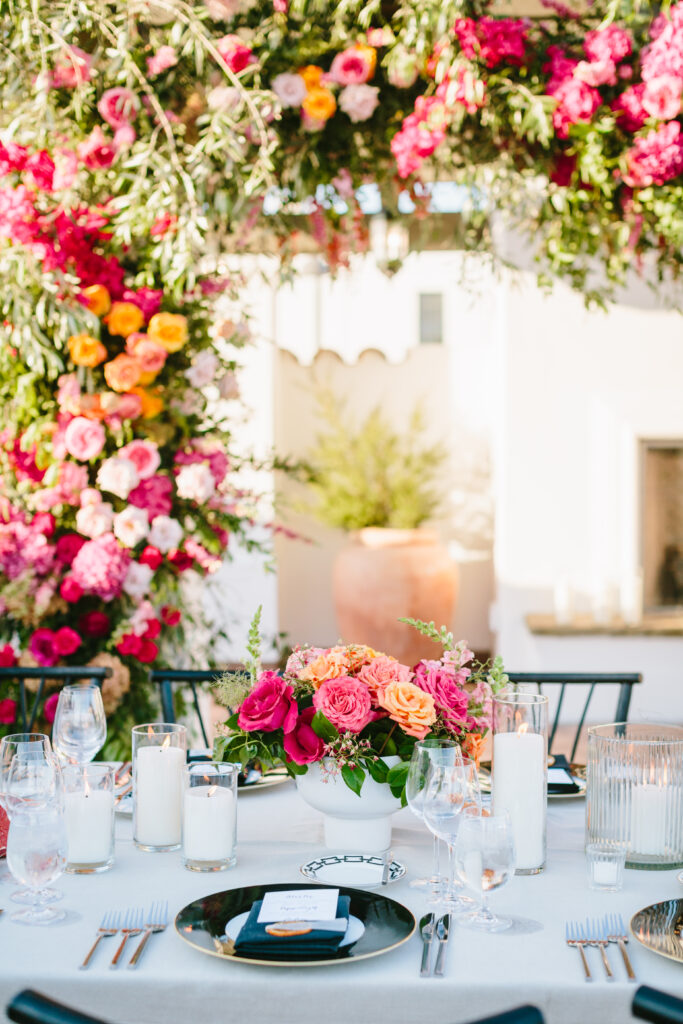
x: 202, y: 924
x: 660, y: 928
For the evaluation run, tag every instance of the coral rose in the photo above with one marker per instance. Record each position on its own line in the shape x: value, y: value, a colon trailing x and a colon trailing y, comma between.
x: 382, y: 671
x: 122, y: 373
x: 319, y: 104
x: 124, y: 318
x: 354, y: 66
x: 345, y: 702
x: 329, y: 665
x: 169, y: 330
x: 410, y: 707
x: 302, y: 745
x: 150, y: 402
x: 269, y: 706
x: 86, y: 351
x: 84, y: 438
x: 148, y: 353
x: 96, y: 297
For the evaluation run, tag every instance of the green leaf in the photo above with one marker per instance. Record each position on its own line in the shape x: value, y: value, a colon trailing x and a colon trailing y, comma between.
x: 397, y: 777
x: 323, y: 728
x: 353, y: 777
x: 377, y: 769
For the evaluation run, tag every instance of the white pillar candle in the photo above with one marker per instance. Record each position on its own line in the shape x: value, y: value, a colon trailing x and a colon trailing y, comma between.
x: 519, y: 789
x: 89, y: 826
x: 208, y: 823
x: 648, y: 819
x: 158, y: 781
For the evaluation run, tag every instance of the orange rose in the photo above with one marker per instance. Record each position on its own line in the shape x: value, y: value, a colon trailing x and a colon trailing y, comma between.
x: 330, y: 665
x: 319, y: 104
x: 409, y: 706
x: 91, y: 407
x: 169, y: 330
x: 124, y: 318
x: 86, y: 351
x: 311, y: 75
x: 97, y: 299
x: 122, y: 373
x: 472, y: 746
x: 151, y: 403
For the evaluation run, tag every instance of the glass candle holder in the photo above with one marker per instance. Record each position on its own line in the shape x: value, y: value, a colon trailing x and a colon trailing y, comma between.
x: 520, y: 773
x: 159, y: 755
x: 89, y: 817
x: 634, y: 791
x: 605, y: 862
x: 210, y: 816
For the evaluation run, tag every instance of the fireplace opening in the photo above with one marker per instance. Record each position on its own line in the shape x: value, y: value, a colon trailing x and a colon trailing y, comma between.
x: 662, y: 525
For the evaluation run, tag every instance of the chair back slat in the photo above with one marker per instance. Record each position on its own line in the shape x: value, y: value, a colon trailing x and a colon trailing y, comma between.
x: 658, y: 1007
x: 30, y: 1007
x: 195, y: 701
x: 166, y: 678
x: 624, y: 680
x: 35, y: 707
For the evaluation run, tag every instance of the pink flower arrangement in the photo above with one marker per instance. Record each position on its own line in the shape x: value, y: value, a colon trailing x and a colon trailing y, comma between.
x: 97, y: 152
x: 163, y: 59
x: 118, y: 107
x: 345, y: 702
x: 100, y: 567
x: 656, y: 157
x: 84, y: 439
x: 353, y: 66
x: 234, y: 52
x: 269, y: 706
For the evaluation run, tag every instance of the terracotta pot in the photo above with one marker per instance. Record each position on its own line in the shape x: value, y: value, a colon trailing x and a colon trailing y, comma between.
x: 383, y: 575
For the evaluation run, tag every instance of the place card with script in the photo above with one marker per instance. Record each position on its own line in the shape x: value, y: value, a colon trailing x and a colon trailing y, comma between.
x: 299, y: 905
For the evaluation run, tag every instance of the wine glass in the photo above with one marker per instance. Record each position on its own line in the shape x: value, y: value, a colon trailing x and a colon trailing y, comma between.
x: 80, y: 725
x: 434, y: 750
x: 450, y: 789
x: 33, y: 784
x: 36, y: 856
x: 33, y: 744
x: 485, y: 860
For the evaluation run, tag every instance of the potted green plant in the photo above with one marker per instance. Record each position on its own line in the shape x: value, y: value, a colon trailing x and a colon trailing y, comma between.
x: 381, y: 486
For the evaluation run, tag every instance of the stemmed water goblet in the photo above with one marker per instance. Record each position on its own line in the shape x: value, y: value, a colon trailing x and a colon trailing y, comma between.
x: 80, y: 725
x: 434, y: 750
x: 485, y: 860
x: 451, y: 789
x: 36, y: 856
x: 29, y: 744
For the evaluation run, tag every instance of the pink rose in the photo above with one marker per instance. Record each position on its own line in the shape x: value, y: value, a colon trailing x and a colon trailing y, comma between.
x: 345, y: 702
x: 72, y: 69
x: 359, y: 101
x: 269, y: 706
x: 631, y: 114
x: 67, y: 641
x: 662, y: 97
x: 611, y: 43
x: 124, y: 137
x: 235, y: 54
x: 100, y: 567
x: 96, y: 152
x: 289, y: 88
x: 84, y: 439
x: 144, y: 455
x: 576, y: 101
x: 41, y: 167
x: 381, y: 671
x: 656, y: 157
x: 449, y: 698
x: 43, y: 647
x: 302, y: 746
x: 118, y: 107
x: 154, y: 495
x: 8, y: 713
x: 353, y: 66
x: 300, y: 658
x: 597, y: 72
x: 163, y: 59
x: 50, y: 708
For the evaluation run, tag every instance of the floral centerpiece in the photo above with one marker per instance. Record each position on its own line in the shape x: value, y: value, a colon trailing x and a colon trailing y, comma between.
x: 116, y: 481
x: 348, y: 708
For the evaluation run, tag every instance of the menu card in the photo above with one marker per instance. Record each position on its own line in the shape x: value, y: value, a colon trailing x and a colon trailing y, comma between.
x: 299, y: 905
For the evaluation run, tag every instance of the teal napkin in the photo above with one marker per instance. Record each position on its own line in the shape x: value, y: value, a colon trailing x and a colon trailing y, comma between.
x: 254, y: 941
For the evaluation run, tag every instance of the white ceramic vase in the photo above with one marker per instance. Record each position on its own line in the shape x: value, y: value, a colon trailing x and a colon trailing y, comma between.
x: 354, y: 824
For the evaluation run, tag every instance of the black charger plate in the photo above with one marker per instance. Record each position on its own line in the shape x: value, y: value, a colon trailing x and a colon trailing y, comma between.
x: 388, y: 924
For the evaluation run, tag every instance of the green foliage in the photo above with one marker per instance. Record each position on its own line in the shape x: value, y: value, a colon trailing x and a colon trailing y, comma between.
x: 323, y: 728
x: 441, y: 636
x: 253, y: 660
x: 374, y: 476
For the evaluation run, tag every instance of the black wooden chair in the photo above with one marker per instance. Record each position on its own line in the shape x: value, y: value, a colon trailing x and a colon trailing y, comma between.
x: 29, y: 1007
x: 30, y: 701
x: 657, y: 1007
x: 188, y: 678
x: 625, y: 681
x: 520, y: 1015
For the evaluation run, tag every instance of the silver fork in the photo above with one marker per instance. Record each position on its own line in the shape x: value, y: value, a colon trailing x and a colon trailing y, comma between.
x: 132, y: 926
x: 616, y: 932
x: 574, y: 937
x: 108, y: 926
x: 598, y: 937
x: 158, y: 919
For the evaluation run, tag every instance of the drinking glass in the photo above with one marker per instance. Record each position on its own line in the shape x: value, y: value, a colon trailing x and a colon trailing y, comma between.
x: 33, y: 783
x: 80, y: 725
x: 28, y: 745
x: 485, y: 860
x: 450, y: 790
x: 431, y: 751
x: 36, y: 855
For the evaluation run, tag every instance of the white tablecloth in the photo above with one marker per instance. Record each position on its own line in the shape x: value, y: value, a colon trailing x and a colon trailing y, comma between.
x: 277, y: 833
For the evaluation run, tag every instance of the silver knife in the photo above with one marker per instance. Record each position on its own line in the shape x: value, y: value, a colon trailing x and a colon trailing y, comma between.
x: 427, y: 933
x: 442, y: 928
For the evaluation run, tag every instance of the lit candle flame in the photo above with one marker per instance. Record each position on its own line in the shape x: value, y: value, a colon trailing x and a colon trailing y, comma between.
x: 207, y: 780
x: 166, y: 743
x: 212, y: 790
x: 86, y: 787
x: 523, y: 729
x: 150, y: 732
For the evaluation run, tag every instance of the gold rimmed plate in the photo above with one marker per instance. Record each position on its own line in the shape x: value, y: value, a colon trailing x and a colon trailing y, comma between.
x: 386, y: 923
x: 577, y: 772
x: 660, y: 929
